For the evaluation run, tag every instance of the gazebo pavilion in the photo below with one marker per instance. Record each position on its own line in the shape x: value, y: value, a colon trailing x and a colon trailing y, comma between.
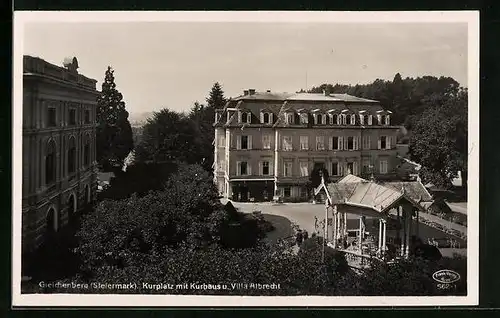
x: 370, y: 200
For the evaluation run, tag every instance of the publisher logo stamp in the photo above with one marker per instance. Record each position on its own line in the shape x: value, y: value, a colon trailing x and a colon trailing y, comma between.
x: 446, y: 278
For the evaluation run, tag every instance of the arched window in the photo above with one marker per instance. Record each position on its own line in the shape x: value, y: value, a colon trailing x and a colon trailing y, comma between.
x: 51, y: 222
x: 86, y: 151
x: 244, y: 117
x: 50, y: 162
x: 353, y: 119
x: 319, y: 119
x: 333, y: 119
x: 266, y: 118
x: 290, y: 118
x: 71, y: 155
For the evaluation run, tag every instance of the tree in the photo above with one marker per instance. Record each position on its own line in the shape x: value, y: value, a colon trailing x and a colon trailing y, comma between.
x: 439, y: 139
x: 114, y: 133
x: 216, y: 99
x: 169, y: 137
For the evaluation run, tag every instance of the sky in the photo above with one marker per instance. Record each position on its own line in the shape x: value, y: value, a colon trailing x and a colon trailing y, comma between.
x: 174, y: 64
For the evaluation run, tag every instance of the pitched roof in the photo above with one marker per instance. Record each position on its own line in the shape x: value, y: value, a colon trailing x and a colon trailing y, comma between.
x: 351, y: 178
x: 414, y: 189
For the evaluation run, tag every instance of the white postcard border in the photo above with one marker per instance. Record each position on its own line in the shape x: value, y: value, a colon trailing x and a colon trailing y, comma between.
x: 94, y: 300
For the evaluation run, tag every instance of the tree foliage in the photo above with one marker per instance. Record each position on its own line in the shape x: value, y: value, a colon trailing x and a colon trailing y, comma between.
x: 114, y: 133
x: 439, y: 139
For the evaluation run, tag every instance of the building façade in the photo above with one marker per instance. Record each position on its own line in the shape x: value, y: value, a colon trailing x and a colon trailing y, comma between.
x: 266, y: 143
x: 59, y: 166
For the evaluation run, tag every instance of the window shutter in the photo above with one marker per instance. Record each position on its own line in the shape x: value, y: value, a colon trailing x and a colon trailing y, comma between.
x: 330, y: 143
x: 355, y: 168
x: 346, y: 143
x: 271, y: 168
x: 340, y: 168
x: 369, y: 143
x: 238, y: 142
x: 250, y: 142
x: 355, y: 142
x: 341, y: 143
x: 238, y: 168
x: 388, y: 143
x: 270, y: 118
x: 381, y: 169
x: 261, y: 170
x: 249, y: 117
x: 239, y: 117
x: 394, y: 141
x: 370, y: 119
x: 379, y: 143
x: 261, y: 117
x: 249, y: 169
x: 323, y: 119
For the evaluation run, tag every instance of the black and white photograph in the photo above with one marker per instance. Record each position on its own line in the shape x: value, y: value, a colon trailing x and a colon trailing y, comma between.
x: 245, y: 158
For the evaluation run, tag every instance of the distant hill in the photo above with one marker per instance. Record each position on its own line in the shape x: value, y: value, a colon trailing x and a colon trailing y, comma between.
x: 139, y: 118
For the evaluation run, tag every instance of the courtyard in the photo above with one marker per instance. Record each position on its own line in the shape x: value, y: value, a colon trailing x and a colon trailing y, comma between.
x: 304, y: 215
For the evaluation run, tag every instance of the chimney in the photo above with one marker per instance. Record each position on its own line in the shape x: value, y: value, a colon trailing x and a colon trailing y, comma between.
x: 251, y: 91
x: 269, y: 91
x: 245, y: 92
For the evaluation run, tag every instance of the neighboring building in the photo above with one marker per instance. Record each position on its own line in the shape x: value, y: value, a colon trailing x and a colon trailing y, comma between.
x: 267, y: 144
x: 59, y: 127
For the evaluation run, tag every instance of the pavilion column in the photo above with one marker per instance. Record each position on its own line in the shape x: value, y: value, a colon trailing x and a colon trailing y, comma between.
x: 360, y: 234
x: 338, y: 227
x: 345, y: 227
x: 379, y: 236
x: 398, y: 230
x: 407, y: 215
x: 334, y: 227
x: 384, y: 236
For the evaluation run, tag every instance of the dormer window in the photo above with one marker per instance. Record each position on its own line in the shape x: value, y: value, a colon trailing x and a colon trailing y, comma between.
x: 320, y: 119
x: 266, y: 118
x: 333, y: 119
x: 370, y: 120
x: 362, y: 119
x: 304, y: 118
x: 289, y: 118
x: 245, y: 117
x: 344, y: 119
x: 353, y: 119
x: 387, y: 120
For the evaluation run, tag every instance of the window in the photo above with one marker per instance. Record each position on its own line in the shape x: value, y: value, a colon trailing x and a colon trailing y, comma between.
x: 304, y: 118
x: 243, y: 168
x: 384, y: 143
x: 344, y: 119
x: 304, y: 169
x: 287, y: 143
x: 86, y: 151
x: 222, y: 141
x: 87, y: 116
x: 339, y: 119
x: 340, y: 145
x: 333, y: 119
x: 350, y: 143
x: 350, y: 168
x: 245, y: 117
x: 362, y: 119
x: 287, y: 192
x: 51, y: 117
x: 50, y: 163
x: 304, y: 142
x: 366, y: 166
x: 303, y: 192
x: 265, y: 168
x: 287, y: 169
x: 289, y: 118
x: 383, y: 166
x: 366, y: 142
x: 370, y: 120
x: 320, y: 142
x: 387, y: 120
x: 379, y: 119
x: 320, y: 119
x: 353, y: 119
x: 72, y: 155
x: 266, y: 141
x: 265, y: 118
x: 244, y: 142
x: 72, y: 117
x: 335, y: 143
x: 335, y: 168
